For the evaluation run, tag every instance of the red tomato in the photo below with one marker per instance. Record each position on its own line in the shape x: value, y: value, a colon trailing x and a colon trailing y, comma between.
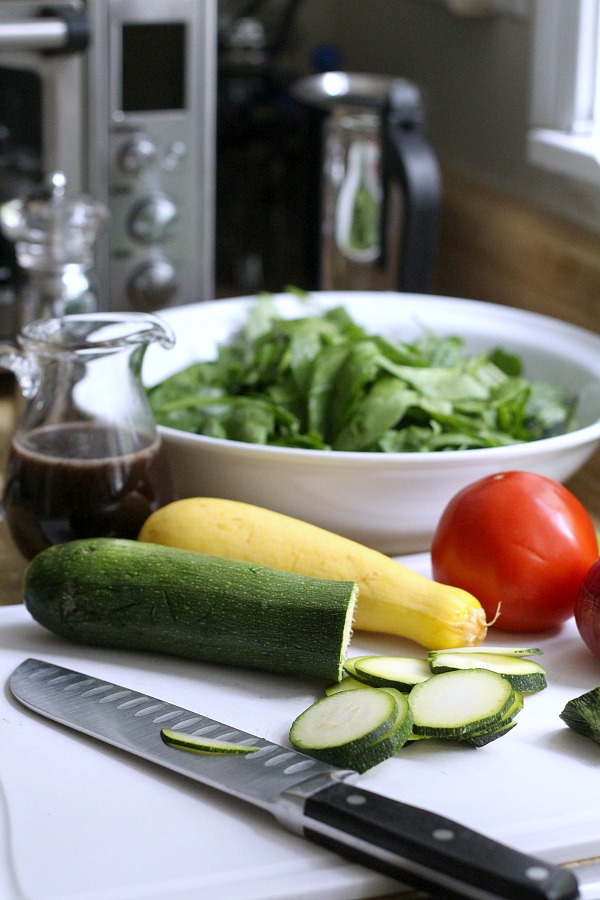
x: 520, y: 540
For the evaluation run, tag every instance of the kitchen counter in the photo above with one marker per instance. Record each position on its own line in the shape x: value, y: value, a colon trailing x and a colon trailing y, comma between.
x: 585, y: 485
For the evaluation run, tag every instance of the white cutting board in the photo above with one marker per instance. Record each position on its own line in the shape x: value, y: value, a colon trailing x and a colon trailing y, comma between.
x: 80, y: 820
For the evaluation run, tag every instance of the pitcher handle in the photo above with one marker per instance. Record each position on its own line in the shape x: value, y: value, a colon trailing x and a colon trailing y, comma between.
x: 26, y: 373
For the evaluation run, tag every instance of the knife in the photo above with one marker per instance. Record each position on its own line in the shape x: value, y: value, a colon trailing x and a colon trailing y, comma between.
x: 309, y: 797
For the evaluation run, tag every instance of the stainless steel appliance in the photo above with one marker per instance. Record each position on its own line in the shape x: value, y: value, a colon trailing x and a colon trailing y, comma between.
x: 119, y: 95
x: 380, y: 185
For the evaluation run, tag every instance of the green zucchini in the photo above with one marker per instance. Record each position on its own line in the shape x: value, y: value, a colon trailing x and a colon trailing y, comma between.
x: 481, y: 738
x: 354, y: 729
x: 582, y: 714
x: 346, y: 684
x: 352, y: 719
x: 350, y: 669
x: 401, y: 672
x: 461, y: 702
x: 402, y: 727
x: 500, y: 728
x: 523, y: 674
x: 134, y: 595
x: 205, y: 746
x: 500, y: 651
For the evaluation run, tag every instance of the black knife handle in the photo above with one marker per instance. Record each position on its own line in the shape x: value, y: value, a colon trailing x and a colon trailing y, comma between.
x: 428, y: 851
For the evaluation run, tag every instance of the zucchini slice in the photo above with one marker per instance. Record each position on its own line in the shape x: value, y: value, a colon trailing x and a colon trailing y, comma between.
x: 400, y: 672
x: 353, y: 718
x: 523, y: 674
x: 350, y: 668
x: 389, y: 744
x: 196, y: 744
x: 481, y: 738
x: 501, y: 651
x: 460, y: 702
x: 348, y: 683
x: 354, y: 729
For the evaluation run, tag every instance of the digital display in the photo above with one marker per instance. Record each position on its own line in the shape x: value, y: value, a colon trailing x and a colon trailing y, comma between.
x: 153, y: 67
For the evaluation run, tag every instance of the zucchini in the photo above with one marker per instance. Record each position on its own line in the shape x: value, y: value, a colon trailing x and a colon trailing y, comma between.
x: 401, y: 672
x: 400, y: 731
x: 481, y: 738
x: 501, y: 651
x: 346, y: 684
x: 133, y: 595
x: 523, y: 674
x: 352, y: 719
x: 582, y: 714
x: 354, y: 729
x: 500, y: 728
x: 461, y: 702
x: 350, y: 669
x: 203, y: 745
x: 466, y: 708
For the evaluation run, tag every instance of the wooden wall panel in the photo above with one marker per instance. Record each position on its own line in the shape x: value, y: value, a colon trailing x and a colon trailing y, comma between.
x: 493, y: 247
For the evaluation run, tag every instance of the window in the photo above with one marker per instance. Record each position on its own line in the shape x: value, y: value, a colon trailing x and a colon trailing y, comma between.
x: 565, y: 109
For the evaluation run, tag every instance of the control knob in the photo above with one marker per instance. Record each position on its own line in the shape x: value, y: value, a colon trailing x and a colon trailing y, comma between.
x: 153, y: 285
x: 136, y: 154
x: 152, y: 219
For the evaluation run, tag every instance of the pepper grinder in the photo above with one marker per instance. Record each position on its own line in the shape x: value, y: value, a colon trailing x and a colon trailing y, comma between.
x: 54, y: 236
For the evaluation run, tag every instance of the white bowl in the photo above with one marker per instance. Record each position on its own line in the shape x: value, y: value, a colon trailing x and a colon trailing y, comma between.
x: 388, y: 501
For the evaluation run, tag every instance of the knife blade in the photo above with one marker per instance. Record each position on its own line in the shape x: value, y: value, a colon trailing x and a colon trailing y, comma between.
x: 309, y: 797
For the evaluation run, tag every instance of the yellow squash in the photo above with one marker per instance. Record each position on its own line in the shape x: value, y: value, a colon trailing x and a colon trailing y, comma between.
x: 392, y: 598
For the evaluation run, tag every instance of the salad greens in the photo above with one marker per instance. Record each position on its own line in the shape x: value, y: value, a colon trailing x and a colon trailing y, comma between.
x: 323, y: 382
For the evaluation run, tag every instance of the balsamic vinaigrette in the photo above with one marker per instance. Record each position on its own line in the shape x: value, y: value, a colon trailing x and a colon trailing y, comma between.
x: 77, y: 480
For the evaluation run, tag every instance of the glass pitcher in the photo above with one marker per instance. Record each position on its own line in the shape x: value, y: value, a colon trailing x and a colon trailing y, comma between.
x: 86, y: 458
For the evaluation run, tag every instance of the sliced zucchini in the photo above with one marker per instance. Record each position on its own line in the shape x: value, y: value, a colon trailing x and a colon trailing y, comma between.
x: 350, y: 668
x: 354, y: 729
x: 353, y: 718
x: 481, y: 738
x: 402, y: 727
x: 348, y: 683
x: 204, y: 745
x: 460, y: 702
x: 400, y: 672
x: 363, y: 758
x: 523, y: 674
x: 501, y: 651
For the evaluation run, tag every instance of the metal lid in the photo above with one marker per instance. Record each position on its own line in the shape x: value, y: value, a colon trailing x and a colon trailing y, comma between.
x: 329, y: 89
